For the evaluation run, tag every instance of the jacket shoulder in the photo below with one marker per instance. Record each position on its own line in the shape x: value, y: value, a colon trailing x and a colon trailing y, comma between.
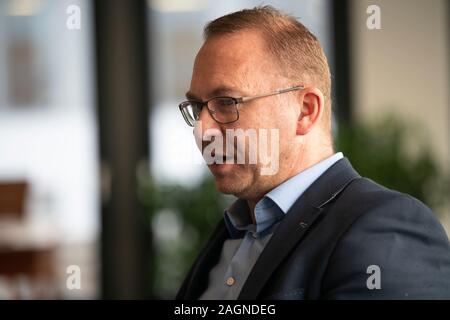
x: 397, y: 234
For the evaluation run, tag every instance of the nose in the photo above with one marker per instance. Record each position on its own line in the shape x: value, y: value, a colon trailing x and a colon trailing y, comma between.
x: 205, y: 116
x: 205, y: 128
x: 205, y: 121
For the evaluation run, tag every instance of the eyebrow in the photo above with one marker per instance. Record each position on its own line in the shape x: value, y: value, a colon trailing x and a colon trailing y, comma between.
x: 190, y: 96
x: 217, y: 92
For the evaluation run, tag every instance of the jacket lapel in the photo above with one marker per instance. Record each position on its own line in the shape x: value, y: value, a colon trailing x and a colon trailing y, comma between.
x: 294, y: 226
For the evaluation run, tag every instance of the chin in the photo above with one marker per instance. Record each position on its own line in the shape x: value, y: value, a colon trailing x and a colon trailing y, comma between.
x: 227, y: 180
x: 227, y: 184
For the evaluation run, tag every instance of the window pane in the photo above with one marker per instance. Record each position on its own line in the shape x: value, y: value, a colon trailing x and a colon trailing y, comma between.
x: 48, y: 140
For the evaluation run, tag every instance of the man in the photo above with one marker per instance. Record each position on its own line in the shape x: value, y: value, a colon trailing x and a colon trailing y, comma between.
x: 312, y: 228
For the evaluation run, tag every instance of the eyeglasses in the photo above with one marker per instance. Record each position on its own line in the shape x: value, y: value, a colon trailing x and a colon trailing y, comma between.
x: 222, y: 109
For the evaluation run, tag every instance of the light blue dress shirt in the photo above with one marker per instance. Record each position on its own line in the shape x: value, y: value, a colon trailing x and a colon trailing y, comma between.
x: 248, y: 240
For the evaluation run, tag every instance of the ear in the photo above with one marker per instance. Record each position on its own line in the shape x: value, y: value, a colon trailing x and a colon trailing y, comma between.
x: 311, y: 104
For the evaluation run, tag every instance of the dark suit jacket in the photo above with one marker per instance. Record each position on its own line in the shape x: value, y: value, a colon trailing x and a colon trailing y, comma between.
x: 341, y: 225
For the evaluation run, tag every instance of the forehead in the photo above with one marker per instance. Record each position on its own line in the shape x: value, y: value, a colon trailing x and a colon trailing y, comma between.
x: 234, y: 60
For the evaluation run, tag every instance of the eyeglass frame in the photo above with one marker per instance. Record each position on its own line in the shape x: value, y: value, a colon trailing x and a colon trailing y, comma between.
x: 237, y: 101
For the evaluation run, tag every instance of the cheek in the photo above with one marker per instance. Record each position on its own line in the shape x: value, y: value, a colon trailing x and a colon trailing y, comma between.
x: 284, y: 123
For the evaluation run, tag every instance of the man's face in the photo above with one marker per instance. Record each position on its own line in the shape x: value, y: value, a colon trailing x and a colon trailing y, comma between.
x: 239, y: 65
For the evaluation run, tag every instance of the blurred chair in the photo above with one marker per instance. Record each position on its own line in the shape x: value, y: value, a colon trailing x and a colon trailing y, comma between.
x: 12, y: 198
x: 26, y: 256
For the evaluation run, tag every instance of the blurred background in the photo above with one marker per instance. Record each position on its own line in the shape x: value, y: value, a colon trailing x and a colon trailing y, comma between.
x: 102, y: 189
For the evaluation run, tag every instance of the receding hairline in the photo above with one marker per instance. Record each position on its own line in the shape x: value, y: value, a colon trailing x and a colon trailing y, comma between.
x: 290, y: 44
x: 281, y: 32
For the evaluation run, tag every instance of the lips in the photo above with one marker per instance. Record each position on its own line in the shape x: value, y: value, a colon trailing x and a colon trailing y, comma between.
x: 224, y: 157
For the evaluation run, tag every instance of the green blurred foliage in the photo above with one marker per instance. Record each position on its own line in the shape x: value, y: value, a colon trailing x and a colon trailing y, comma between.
x: 378, y: 151
x: 196, y: 209
x: 398, y: 155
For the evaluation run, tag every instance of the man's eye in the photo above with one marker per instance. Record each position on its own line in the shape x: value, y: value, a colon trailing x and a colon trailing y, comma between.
x: 226, y: 102
x: 197, y: 106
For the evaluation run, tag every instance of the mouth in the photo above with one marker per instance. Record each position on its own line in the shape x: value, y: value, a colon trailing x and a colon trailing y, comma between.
x: 220, y: 167
x: 222, y: 159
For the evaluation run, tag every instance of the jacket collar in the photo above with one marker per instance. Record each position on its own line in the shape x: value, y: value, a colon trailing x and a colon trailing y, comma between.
x: 294, y: 226
x: 306, y: 209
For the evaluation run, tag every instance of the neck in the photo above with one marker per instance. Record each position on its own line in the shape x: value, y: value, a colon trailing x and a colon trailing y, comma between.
x: 305, y: 161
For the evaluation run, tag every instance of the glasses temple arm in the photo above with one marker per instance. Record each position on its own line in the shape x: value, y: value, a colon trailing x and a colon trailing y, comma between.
x: 244, y: 99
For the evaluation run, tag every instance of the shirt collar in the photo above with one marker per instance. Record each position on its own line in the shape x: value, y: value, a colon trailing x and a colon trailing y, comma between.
x: 275, y: 204
x: 289, y: 191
